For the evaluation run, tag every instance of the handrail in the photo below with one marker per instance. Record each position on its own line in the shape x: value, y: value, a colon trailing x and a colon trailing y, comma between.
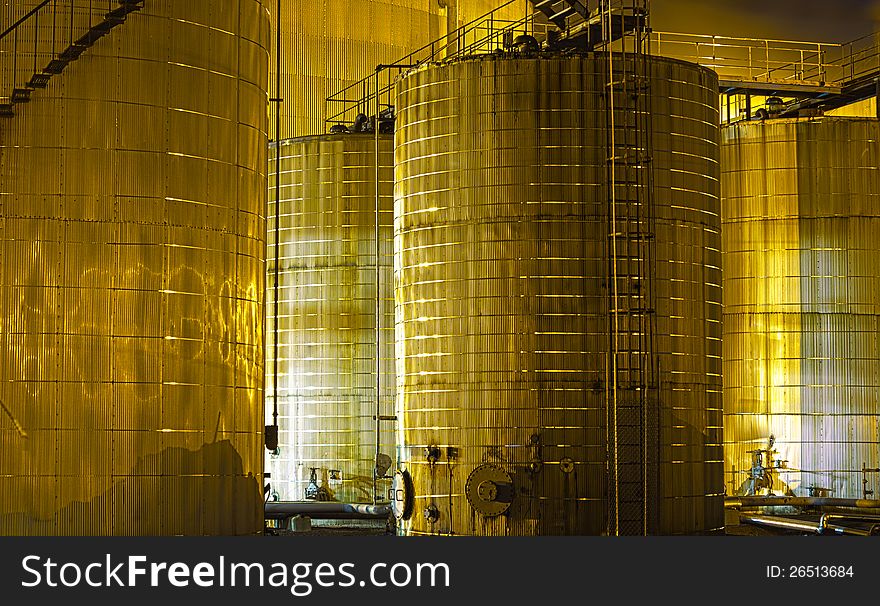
x: 369, y: 90
x: 734, y: 58
x: 430, y: 45
x: 27, y: 16
x: 48, y: 37
x: 750, y: 58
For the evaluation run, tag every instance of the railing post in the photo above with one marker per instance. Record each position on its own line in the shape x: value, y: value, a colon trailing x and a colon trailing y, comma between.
x: 877, y: 98
x: 749, y: 63
x: 714, y: 53
x: 14, y: 56
x: 54, y: 21
x: 36, y: 36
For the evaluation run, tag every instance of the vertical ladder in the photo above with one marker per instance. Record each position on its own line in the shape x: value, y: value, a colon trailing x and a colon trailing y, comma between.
x: 632, y: 403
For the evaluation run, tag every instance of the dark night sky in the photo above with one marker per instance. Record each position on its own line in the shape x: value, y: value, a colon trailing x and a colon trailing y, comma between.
x: 811, y: 20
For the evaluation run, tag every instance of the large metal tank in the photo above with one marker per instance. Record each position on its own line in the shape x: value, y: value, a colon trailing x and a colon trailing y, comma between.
x: 328, y: 337
x: 132, y: 200
x: 502, y: 298
x: 801, y: 217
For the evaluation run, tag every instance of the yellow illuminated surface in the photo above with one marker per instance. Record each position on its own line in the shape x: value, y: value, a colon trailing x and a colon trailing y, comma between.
x: 499, y: 258
x: 800, y: 288
x: 326, y: 320
x: 327, y: 46
x: 133, y: 240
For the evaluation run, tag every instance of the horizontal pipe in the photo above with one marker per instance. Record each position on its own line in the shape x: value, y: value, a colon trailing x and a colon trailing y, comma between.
x: 848, y: 530
x: 800, y: 502
x: 325, y: 510
x: 822, y: 527
x: 781, y: 523
x: 844, y: 510
x: 874, y: 529
x: 325, y: 516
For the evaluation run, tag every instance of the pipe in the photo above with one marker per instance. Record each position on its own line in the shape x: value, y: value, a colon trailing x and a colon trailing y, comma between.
x: 845, y: 511
x: 325, y: 510
x: 822, y: 527
x: 782, y: 523
x: 800, y: 502
x: 874, y: 529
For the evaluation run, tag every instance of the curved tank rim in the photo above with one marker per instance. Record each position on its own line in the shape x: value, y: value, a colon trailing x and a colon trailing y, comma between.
x: 327, y: 137
x: 544, y: 55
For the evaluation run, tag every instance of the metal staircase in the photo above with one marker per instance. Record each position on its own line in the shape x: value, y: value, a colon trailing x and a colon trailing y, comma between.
x: 43, y: 41
x: 632, y: 392
x: 562, y: 12
x: 589, y: 24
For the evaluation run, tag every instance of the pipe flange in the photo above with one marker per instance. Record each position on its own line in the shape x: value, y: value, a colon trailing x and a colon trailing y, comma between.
x: 432, y: 514
x: 489, y: 490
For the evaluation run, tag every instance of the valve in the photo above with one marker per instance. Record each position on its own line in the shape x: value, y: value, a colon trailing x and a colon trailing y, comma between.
x: 432, y: 514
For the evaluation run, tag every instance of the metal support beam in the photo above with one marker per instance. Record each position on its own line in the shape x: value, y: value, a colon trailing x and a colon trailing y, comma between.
x: 780, y: 89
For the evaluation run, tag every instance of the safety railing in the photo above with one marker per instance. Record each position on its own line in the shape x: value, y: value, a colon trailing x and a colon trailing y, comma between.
x: 373, y: 95
x: 858, y: 59
x: 736, y: 59
x: 39, y: 39
x: 748, y: 59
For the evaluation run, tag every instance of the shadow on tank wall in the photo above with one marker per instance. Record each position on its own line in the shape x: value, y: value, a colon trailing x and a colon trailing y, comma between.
x: 164, y: 496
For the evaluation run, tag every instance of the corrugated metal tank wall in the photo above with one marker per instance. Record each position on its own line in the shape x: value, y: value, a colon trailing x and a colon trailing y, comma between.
x: 328, y: 45
x: 132, y: 200
x: 327, y: 313
x: 501, y: 309
x: 801, y: 214
x: 324, y: 49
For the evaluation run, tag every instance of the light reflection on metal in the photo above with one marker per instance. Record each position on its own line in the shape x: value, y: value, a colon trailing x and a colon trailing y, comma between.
x: 509, y: 153
x: 801, y: 218
x: 133, y: 238
x: 330, y: 45
x: 327, y: 314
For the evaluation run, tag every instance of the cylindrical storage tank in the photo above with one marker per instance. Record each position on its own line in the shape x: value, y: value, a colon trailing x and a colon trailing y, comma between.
x: 133, y: 242
x: 502, y: 295
x: 328, y: 338
x: 801, y: 213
